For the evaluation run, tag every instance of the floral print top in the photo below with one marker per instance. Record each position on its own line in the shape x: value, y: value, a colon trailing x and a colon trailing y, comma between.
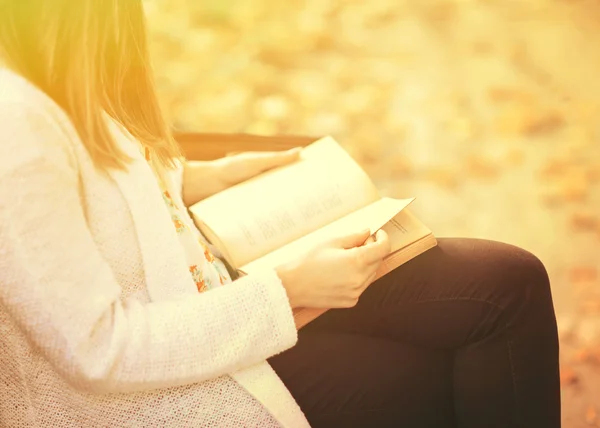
x: 207, y: 270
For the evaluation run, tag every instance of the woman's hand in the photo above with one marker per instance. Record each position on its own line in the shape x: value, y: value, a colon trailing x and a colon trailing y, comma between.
x: 243, y: 166
x: 335, y: 274
x: 202, y: 179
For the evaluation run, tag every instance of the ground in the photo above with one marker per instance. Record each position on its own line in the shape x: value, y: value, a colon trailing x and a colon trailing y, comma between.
x: 486, y: 110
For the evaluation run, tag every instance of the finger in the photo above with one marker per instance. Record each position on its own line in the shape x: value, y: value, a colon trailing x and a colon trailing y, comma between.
x: 353, y: 240
x: 264, y: 161
x: 384, y: 239
x: 283, y: 157
x: 292, y: 154
x: 375, y: 251
x: 287, y: 157
x: 378, y: 235
x: 252, y: 163
x: 370, y: 240
x: 255, y: 161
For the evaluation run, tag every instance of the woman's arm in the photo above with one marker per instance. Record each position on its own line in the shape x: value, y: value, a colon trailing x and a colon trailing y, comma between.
x: 65, y: 298
x: 201, y: 179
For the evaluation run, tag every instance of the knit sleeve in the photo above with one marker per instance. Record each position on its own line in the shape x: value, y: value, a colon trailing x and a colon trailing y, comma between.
x: 66, y: 299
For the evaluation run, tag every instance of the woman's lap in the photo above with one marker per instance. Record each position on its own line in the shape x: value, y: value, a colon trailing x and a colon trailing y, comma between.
x: 479, y: 311
x: 345, y: 380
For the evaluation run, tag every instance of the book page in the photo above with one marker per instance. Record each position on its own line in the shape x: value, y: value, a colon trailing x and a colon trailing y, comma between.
x: 267, y: 212
x: 373, y: 216
x: 404, y: 229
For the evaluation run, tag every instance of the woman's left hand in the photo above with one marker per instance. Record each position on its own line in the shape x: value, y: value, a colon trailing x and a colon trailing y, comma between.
x: 245, y: 165
x: 202, y: 179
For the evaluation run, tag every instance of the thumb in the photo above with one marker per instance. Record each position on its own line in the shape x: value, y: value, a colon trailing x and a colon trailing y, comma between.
x: 285, y: 157
x: 354, y: 240
x: 263, y: 161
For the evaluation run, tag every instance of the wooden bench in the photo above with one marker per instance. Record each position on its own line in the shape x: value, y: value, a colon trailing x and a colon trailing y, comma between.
x: 209, y: 146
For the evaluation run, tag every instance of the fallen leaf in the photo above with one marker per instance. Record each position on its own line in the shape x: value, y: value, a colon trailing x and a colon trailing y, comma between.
x: 591, y: 416
x: 272, y: 107
x: 584, y: 220
x: 480, y: 167
x: 585, y: 112
x: 592, y: 173
x: 568, y: 377
x: 462, y: 128
x: 262, y: 127
x: 327, y: 124
x: 528, y: 121
x: 504, y: 94
x: 482, y: 47
x: 551, y: 198
x: 589, y: 355
x: 544, y: 122
x: 566, y: 328
x: 591, y: 306
x: 515, y: 157
x: 400, y: 166
x: 581, y: 136
x: 512, y: 122
x: 439, y: 12
x: 583, y: 274
x: 555, y: 168
x: 574, y: 187
x: 442, y: 176
x: 588, y: 334
x: 369, y: 148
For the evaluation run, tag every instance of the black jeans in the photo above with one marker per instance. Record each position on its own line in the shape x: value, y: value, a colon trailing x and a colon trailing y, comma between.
x: 462, y: 336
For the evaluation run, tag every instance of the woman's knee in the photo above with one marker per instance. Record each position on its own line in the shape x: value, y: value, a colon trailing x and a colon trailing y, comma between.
x: 507, y: 274
x: 526, y: 280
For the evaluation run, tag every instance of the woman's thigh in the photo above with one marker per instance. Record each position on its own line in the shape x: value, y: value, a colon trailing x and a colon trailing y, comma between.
x: 453, y: 295
x: 345, y: 380
x: 487, y: 304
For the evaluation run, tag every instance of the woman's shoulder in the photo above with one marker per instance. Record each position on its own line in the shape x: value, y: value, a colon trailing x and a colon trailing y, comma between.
x: 31, y: 123
x: 16, y: 92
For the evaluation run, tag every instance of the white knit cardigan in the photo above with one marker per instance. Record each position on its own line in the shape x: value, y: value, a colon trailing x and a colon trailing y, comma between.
x: 101, y: 324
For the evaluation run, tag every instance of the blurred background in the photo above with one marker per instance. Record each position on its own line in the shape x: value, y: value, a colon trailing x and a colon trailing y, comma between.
x: 485, y: 110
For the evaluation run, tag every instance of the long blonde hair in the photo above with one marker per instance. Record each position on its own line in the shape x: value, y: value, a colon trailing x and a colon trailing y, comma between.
x: 90, y: 57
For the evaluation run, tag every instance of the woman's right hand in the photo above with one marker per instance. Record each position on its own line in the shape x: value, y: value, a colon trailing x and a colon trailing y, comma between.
x: 335, y: 274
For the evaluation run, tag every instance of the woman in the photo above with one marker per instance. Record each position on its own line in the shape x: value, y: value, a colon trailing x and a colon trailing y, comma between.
x: 115, y: 311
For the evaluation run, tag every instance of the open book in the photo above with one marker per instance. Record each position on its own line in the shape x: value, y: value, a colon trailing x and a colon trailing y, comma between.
x: 273, y: 218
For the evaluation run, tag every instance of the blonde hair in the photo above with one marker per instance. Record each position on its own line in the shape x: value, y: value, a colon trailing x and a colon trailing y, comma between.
x: 91, y: 57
